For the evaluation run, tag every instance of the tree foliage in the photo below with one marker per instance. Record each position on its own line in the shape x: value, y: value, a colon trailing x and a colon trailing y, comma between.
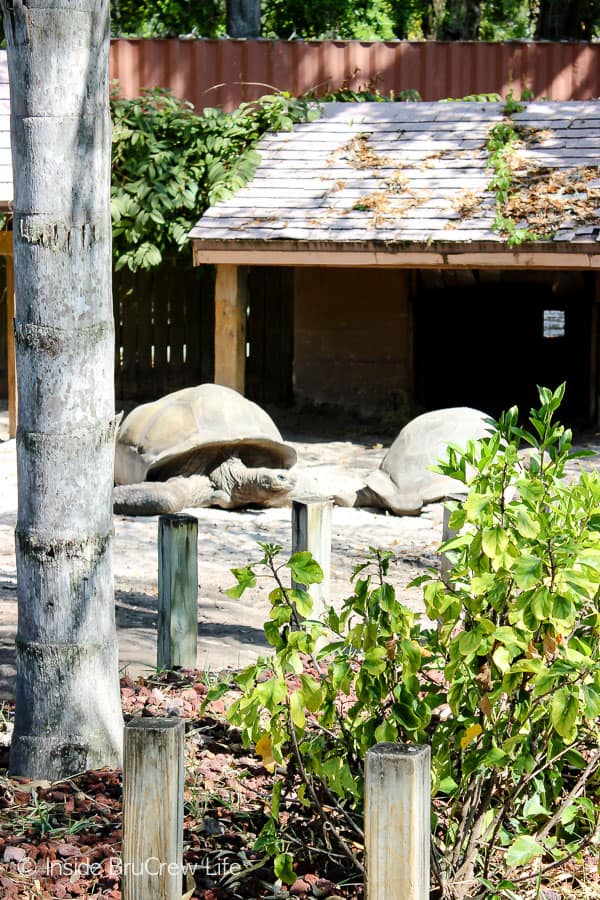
x: 370, y: 19
x: 167, y: 18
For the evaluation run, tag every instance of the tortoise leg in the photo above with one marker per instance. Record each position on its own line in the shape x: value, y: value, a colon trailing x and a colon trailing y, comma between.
x: 362, y: 497
x: 155, y: 498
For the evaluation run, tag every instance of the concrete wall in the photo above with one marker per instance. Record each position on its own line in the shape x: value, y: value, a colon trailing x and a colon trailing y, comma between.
x: 353, y: 338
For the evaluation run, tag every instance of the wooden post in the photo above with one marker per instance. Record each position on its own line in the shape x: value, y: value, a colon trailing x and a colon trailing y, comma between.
x: 311, y: 530
x: 152, y: 862
x: 447, y: 535
x: 231, y: 300
x: 397, y: 821
x: 177, y: 591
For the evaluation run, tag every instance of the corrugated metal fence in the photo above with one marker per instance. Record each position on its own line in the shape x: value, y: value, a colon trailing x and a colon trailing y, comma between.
x: 226, y: 72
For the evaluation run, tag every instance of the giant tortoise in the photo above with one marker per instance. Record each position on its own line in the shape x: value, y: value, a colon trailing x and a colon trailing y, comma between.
x: 201, y: 446
x: 404, y: 481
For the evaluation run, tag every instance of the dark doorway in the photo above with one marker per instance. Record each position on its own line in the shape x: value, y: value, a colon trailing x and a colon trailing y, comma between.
x: 486, y: 339
x: 270, y: 335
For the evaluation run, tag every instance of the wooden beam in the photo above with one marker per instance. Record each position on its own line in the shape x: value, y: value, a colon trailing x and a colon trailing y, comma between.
x: 436, y: 259
x: 231, y: 300
x: 10, y: 347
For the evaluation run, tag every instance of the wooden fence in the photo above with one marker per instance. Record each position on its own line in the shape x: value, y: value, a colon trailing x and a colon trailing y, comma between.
x: 164, y: 326
x: 164, y: 332
x: 226, y: 72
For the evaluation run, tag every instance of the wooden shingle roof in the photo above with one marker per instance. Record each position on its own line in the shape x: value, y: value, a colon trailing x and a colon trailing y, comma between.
x: 6, y: 183
x: 395, y: 177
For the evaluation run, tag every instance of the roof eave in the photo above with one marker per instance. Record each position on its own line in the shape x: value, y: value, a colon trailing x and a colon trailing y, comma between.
x: 399, y: 254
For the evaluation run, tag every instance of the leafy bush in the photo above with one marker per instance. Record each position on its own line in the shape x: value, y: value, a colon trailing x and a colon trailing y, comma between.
x: 365, y: 20
x: 167, y: 18
x: 169, y: 164
x: 505, y: 687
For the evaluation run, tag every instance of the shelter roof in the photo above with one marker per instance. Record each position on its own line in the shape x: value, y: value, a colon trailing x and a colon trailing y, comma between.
x: 381, y: 178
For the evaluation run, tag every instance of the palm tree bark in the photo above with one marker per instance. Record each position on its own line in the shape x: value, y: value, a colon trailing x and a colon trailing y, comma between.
x: 68, y: 713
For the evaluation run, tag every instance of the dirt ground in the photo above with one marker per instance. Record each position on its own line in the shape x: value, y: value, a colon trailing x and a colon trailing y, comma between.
x: 230, y: 631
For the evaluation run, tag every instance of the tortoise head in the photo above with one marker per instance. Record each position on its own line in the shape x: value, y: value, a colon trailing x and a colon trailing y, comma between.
x: 262, y: 487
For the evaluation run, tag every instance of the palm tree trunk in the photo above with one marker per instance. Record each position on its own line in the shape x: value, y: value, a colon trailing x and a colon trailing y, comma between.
x: 68, y: 713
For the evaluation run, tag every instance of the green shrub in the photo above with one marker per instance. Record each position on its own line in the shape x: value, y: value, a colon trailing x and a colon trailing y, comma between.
x: 505, y: 687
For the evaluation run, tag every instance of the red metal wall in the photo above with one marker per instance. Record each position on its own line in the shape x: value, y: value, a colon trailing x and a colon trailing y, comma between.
x: 226, y: 72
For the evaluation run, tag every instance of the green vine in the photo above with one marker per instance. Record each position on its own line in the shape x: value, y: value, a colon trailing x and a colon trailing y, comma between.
x: 169, y: 164
x: 501, y: 144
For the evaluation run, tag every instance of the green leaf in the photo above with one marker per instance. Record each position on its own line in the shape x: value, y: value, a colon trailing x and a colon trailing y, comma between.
x: 447, y: 785
x: 481, y: 584
x: 591, y: 701
x: 272, y: 634
x: 216, y: 692
x: 496, y: 757
x: 386, y: 733
x: 297, y: 710
x: 375, y: 660
x: 476, y: 504
x: 245, y: 579
x: 534, y: 808
x: 303, y: 602
x: 412, y: 656
x: 494, y: 541
x: 271, y: 692
x: 276, y: 798
x: 528, y: 571
x: 526, y: 525
x: 523, y: 850
x: 436, y: 599
x: 283, y: 868
x: 313, y: 692
x: 469, y: 641
x: 564, y: 711
x: 502, y: 658
x: 562, y: 609
x: 341, y: 675
x: 541, y: 604
x: 305, y: 570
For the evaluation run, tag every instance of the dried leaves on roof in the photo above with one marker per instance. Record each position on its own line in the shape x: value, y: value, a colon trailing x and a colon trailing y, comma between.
x: 550, y: 199
x: 359, y: 154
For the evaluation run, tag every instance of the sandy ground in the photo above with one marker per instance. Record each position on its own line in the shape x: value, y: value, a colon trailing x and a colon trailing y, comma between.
x: 229, y: 631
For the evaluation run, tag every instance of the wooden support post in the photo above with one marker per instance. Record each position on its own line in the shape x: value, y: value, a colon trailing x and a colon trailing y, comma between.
x: 177, y: 591
x: 447, y: 535
x: 231, y: 300
x: 152, y: 862
x: 311, y: 530
x: 397, y: 821
x: 10, y: 347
